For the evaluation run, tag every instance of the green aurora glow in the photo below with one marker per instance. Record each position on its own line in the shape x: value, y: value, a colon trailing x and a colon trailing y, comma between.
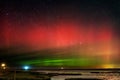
x: 63, y: 62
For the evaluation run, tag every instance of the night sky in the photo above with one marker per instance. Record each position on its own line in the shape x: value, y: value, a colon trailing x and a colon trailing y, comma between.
x: 82, y: 33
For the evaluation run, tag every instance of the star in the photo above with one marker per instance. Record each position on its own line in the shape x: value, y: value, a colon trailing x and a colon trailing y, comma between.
x: 7, y: 14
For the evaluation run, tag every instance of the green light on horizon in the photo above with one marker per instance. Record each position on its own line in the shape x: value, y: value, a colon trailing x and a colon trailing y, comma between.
x: 63, y: 62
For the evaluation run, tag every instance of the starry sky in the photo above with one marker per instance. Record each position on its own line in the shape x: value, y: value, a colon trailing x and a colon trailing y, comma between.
x: 60, y: 33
